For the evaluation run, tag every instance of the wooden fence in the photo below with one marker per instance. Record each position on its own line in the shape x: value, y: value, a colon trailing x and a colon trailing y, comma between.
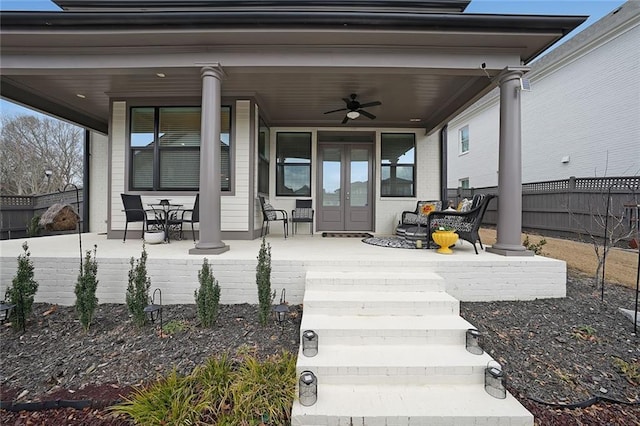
x: 16, y: 212
x: 570, y: 207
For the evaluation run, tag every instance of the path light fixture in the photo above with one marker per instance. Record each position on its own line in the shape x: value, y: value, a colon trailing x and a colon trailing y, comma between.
x: 494, y: 380
x: 281, y: 310
x: 154, y: 310
x: 474, y: 338
x: 5, y: 311
x: 309, y: 343
x: 308, y: 388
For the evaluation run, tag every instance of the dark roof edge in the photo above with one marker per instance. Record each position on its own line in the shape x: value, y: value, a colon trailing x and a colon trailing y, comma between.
x: 228, y: 19
x: 448, y: 5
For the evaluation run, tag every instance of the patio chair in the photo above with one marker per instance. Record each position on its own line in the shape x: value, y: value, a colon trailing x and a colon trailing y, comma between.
x: 417, y: 218
x: 303, y: 213
x: 466, y: 224
x: 269, y: 214
x: 135, y: 212
x: 192, y: 216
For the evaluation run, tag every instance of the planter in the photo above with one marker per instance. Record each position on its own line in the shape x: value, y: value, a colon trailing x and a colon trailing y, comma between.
x: 445, y: 239
x: 154, y: 237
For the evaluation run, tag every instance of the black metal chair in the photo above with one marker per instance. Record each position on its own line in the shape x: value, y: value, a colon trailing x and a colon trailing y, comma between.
x: 192, y: 217
x: 303, y: 213
x: 269, y: 214
x: 135, y: 212
x: 466, y: 224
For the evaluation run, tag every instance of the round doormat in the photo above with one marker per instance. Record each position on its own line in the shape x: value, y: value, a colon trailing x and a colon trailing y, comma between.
x: 393, y: 242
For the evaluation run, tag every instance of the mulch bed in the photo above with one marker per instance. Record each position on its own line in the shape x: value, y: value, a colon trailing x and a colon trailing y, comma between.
x: 560, y: 351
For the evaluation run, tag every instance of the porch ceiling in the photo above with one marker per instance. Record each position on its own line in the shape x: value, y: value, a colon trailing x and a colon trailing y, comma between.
x: 294, y: 74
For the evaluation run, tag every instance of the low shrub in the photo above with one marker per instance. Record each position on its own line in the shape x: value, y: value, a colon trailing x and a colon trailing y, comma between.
x: 23, y: 289
x: 208, y: 296
x: 86, y: 300
x: 138, y: 288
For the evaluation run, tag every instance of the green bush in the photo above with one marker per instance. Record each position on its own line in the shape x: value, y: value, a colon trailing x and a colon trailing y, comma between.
x: 534, y: 247
x: 34, y: 228
x: 208, y: 297
x: 138, y: 288
x: 86, y: 300
x: 263, y: 280
x: 23, y: 289
x: 219, y: 392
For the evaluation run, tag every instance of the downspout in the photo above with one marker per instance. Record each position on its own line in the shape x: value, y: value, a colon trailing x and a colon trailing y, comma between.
x: 86, y: 181
x: 444, y: 196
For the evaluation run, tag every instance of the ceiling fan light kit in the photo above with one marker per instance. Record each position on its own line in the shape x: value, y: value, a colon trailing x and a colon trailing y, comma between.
x: 354, y: 108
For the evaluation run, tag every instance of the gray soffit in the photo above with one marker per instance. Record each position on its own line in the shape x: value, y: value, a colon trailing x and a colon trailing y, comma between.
x: 423, y: 67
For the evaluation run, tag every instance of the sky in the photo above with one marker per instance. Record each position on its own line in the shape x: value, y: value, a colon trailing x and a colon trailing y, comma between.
x: 595, y: 9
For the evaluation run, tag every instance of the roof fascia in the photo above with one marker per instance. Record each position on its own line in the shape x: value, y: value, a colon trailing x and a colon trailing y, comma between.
x: 451, y: 6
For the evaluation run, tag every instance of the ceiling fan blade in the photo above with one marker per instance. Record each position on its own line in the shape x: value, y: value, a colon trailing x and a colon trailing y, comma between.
x: 370, y: 104
x: 336, y: 110
x: 366, y: 114
x: 345, y: 119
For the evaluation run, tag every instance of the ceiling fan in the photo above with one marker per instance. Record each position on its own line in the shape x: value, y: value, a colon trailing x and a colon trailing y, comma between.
x: 354, y: 108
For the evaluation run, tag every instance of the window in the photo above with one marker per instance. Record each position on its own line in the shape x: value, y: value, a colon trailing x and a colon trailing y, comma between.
x: 263, y: 157
x: 463, y: 137
x: 165, y: 148
x: 463, y: 183
x: 398, y: 154
x: 293, y: 168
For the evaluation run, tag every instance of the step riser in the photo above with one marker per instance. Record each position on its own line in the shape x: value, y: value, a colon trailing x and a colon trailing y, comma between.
x: 378, y: 284
x: 378, y: 308
x: 389, y: 337
x: 390, y: 376
x: 395, y: 287
x: 317, y: 420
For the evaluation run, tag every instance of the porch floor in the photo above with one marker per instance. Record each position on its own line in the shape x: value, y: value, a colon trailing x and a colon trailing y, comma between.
x: 485, y: 276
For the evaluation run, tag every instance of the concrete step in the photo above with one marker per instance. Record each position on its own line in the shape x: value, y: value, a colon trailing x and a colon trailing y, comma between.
x: 404, y: 405
x: 402, y: 364
x: 347, y: 302
x: 386, y: 330
x: 376, y: 280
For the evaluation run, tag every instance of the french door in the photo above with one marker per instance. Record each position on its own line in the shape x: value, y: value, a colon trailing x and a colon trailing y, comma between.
x: 345, y: 189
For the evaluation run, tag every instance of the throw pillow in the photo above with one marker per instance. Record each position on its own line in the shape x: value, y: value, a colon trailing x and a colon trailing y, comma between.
x: 425, y: 208
x: 268, y: 210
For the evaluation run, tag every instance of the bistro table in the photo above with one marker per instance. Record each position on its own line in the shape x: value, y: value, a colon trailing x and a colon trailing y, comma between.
x: 167, y: 213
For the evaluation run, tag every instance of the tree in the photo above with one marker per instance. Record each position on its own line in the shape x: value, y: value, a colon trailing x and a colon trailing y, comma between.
x: 29, y: 145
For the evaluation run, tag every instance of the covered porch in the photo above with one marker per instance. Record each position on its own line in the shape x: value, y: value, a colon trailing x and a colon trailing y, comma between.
x: 468, y: 277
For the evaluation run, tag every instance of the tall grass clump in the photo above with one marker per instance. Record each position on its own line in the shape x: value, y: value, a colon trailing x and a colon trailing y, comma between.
x: 138, y: 288
x: 86, y: 300
x: 23, y: 289
x: 208, y: 296
x: 220, y: 392
x: 263, y: 280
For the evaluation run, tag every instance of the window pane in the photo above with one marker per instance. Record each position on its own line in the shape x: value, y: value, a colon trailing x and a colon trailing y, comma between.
x: 464, y: 139
x: 294, y: 148
x: 142, y: 169
x: 293, y: 171
x: 142, y: 127
x: 359, y: 178
x: 293, y: 180
x: 179, y: 169
x: 331, y: 169
x: 397, y: 181
x: 398, y: 165
x: 398, y: 148
x: 263, y: 158
x: 179, y: 127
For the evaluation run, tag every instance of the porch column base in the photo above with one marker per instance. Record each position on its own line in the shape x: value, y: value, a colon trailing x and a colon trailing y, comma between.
x: 510, y: 251
x: 209, y: 249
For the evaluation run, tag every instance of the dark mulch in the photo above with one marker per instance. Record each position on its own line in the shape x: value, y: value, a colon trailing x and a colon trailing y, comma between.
x: 560, y: 351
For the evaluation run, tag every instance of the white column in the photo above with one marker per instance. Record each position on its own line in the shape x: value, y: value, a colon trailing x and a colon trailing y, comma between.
x: 509, y: 227
x: 210, y: 242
